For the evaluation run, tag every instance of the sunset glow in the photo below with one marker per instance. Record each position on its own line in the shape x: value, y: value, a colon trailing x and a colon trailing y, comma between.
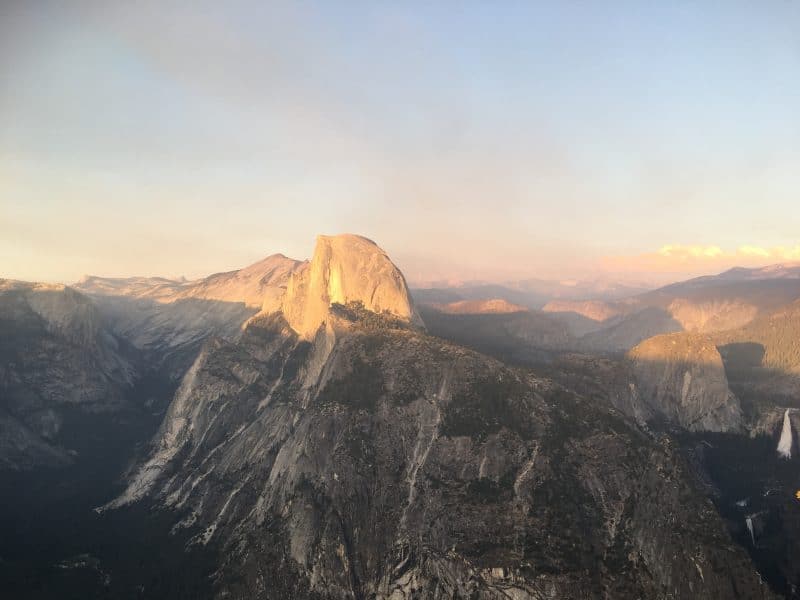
x: 545, y: 140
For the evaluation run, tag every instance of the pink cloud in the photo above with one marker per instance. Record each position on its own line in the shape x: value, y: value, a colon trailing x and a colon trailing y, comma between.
x: 698, y: 259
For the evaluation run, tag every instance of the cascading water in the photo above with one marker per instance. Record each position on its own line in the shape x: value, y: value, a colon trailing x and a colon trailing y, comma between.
x: 785, y: 443
x: 749, y: 522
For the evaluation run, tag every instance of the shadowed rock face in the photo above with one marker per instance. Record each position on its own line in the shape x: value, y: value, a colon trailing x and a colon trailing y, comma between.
x: 56, y: 355
x: 681, y: 377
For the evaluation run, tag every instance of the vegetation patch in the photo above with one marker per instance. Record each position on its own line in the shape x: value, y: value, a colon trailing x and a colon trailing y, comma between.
x: 360, y: 389
x: 355, y: 312
x: 487, y: 406
x: 489, y: 491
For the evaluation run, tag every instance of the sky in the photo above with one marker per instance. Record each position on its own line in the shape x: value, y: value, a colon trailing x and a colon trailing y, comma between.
x: 471, y: 140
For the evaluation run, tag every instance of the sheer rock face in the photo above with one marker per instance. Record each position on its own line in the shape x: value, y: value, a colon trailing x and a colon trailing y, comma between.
x: 412, y: 468
x: 345, y: 269
x: 682, y: 378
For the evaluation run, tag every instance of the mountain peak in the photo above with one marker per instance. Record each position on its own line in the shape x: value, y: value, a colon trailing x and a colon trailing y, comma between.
x: 345, y: 268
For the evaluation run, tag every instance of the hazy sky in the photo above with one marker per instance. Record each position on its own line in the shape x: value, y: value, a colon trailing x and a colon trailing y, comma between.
x: 484, y: 140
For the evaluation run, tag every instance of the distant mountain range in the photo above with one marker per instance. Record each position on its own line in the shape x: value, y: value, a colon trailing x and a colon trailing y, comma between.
x: 531, y: 293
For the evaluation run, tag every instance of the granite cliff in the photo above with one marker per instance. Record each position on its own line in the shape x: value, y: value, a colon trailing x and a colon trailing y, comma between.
x: 335, y: 450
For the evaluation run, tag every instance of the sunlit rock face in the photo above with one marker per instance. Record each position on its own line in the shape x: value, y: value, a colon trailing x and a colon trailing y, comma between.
x: 494, y: 306
x: 169, y: 320
x: 682, y: 378
x: 713, y: 315
x: 264, y: 281
x: 596, y: 310
x: 345, y: 269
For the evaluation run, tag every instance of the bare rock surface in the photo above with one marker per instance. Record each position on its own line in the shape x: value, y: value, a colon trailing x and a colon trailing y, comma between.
x: 344, y: 269
x: 682, y: 378
x: 57, y: 356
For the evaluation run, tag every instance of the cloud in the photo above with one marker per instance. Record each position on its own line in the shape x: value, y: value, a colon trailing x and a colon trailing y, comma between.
x: 698, y: 259
x: 684, y: 253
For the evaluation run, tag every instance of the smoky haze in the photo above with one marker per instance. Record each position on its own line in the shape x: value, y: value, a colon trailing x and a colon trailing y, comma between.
x: 535, y: 141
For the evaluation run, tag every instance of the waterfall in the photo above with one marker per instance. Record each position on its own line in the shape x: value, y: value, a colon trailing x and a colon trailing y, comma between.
x: 785, y: 443
x: 749, y: 522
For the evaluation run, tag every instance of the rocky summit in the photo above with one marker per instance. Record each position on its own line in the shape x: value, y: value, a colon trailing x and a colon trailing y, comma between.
x: 345, y: 269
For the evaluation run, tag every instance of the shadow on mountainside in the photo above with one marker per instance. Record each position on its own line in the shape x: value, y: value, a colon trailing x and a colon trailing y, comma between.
x: 54, y: 545
x: 534, y: 337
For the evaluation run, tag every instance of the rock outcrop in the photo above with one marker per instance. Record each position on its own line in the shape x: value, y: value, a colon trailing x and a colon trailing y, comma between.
x: 681, y: 378
x: 345, y: 269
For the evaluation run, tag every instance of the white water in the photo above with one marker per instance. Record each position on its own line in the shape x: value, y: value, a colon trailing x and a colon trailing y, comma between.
x: 785, y: 443
x: 749, y: 522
